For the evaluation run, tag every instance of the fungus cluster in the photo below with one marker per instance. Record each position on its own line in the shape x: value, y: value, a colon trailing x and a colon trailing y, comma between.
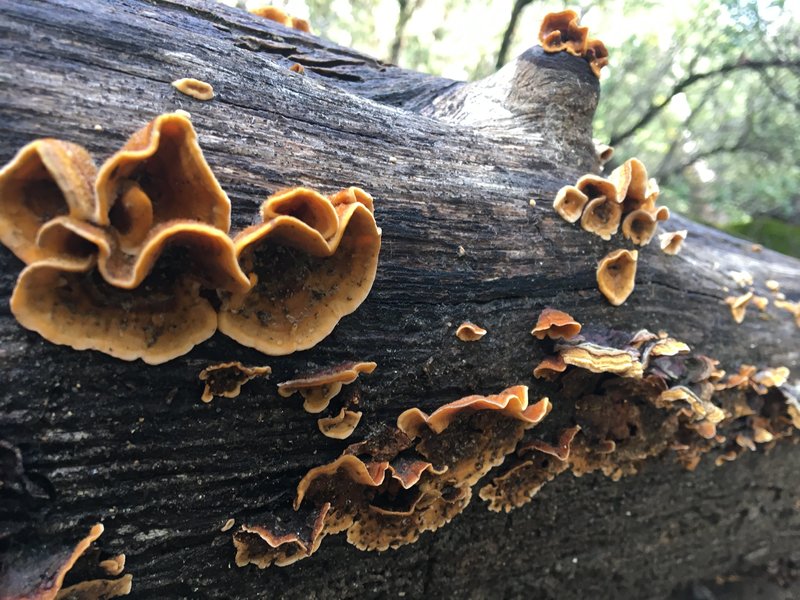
x: 226, y: 379
x: 40, y: 572
x: 398, y: 483
x: 739, y: 303
x: 273, y: 13
x: 561, y: 31
x: 122, y: 259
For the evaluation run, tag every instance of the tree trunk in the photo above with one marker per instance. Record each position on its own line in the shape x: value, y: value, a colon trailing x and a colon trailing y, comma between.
x: 452, y: 168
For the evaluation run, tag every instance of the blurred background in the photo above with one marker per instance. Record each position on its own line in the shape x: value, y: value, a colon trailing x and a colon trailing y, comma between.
x: 705, y: 92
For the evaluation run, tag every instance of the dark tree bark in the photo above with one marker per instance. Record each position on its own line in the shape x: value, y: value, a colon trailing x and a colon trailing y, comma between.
x: 452, y: 168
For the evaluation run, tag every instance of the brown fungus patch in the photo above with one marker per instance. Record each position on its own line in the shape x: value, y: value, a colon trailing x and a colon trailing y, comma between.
x: 166, y: 162
x: 311, y: 263
x: 199, y: 90
x: 317, y: 389
x: 47, y: 178
x: 555, y: 324
x: 671, y: 242
x: 569, y: 203
x: 616, y: 275
x: 67, y: 302
x: 225, y: 380
x: 469, y: 332
x: 341, y: 426
x: 601, y: 217
x: 561, y: 31
x: 38, y: 572
x: 278, y: 15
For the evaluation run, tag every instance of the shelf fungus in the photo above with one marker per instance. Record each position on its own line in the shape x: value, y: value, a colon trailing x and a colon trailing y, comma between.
x: 226, y: 379
x: 738, y: 305
x: 616, y: 275
x: 570, y: 202
x: 555, y: 324
x: 317, y: 389
x: 341, y: 426
x: 66, y: 301
x: 199, y: 90
x: 273, y: 13
x: 671, y: 242
x: 601, y: 217
x: 601, y: 359
x: 469, y: 332
x: 312, y: 261
x: 39, y: 572
x: 550, y: 367
x: 535, y: 464
x: 47, y: 178
x: 160, y: 170
x: 561, y: 31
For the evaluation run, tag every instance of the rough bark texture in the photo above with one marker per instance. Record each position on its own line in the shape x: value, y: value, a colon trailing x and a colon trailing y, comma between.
x: 450, y: 165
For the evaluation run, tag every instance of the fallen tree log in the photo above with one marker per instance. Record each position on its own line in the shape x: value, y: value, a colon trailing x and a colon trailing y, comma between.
x: 452, y: 168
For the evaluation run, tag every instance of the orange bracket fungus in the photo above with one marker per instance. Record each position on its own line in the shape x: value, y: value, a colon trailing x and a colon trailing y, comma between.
x: 555, y: 324
x: 569, y: 203
x: 671, y: 242
x: 594, y: 186
x: 318, y: 388
x: 550, y: 367
x: 226, y: 379
x: 163, y: 164
x: 738, y: 305
x: 616, y: 275
x: 312, y: 261
x: 273, y: 13
x: 298, y: 68
x: 596, y: 54
x: 47, y: 178
x: 200, y: 90
x: 341, y: 426
x: 601, y: 359
x: 469, y: 332
x: 383, y: 493
x: 601, y: 217
x: 560, y: 31
x: 639, y: 226
x: 37, y: 573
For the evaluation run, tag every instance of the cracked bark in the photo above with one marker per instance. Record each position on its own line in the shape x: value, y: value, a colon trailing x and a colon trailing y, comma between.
x: 449, y: 165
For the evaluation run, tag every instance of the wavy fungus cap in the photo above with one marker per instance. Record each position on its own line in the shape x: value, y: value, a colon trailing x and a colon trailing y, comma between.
x: 319, y: 388
x: 469, y: 332
x: 671, y: 242
x: 306, y: 274
x: 601, y: 217
x: 341, y: 426
x: 66, y: 302
x: 561, y: 31
x: 555, y: 324
x: 226, y: 379
x: 569, y: 203
x: 616, y: 275
x: 165, y: 161
x: 46, y: 179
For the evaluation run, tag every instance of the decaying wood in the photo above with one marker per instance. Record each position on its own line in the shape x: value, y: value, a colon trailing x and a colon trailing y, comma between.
x: 452, y: 168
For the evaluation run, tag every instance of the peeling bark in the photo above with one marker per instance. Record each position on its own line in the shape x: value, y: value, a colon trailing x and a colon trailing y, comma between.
x: 452, y: 168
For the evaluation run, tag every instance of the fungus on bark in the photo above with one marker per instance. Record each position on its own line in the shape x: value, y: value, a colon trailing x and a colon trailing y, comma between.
x: 273, y: 13
x: 639, y: 226
x: 671, y: 242
x: 738, y: 305
x: 226, y: 379
x: 38, y: 572
x: 596, y: 54
x: 47, y: 178
x: 469, y: 332
x: 312, y: 261
x: 341, y: 426
x: 200, y: 90
x: 594, y: 186
x: 601, y: 359
x: 555, y: 324
x: 616, y: 275
x: 298, y: 68
x: 165, y: 161
x: 561, y: 31
x: 569, y: 203
x: 601, y: 217
x: 550, y: 367
x: 318, y: 388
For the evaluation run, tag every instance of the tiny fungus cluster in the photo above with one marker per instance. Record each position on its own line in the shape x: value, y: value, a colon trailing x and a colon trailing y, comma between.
x: 225, y: 380
x: 273, y: 13
x: 121, y: 259
x: 43, y: 572
x: 628, y: 197
x: 738, y: 304
x: 561, y: 31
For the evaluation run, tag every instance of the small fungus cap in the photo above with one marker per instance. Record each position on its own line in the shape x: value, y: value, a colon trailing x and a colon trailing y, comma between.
x: 569, y: 203
x: 561, y: 31
x: 555, y: 324
x: 616, y: 275
x: 512, y: 402
x: 601, y: 217
x: 738, y: 305
x: 47, y: 178
x: 601, y: 359
x: 226, y: 379
x: 596, y: 54
x: 200, y: 90
x: 594, y: 186
x: 469, y: 332
x: 318, y: 388
x: 639, y: 226
x: 671, y: 242
x: 341, y: 426
x: 550, y: 367
x: 165, y: 159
